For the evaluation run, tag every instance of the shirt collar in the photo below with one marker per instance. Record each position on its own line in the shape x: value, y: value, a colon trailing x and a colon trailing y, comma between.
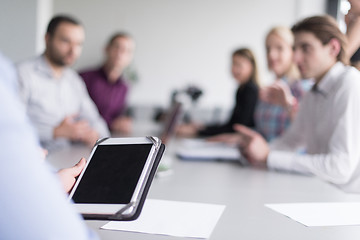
x: 43, y: 66
x: 327, y: 83
x: 119, y: 81
x: 284, y: 79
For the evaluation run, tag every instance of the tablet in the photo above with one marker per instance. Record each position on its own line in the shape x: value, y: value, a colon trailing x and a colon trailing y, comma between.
x: 116, y: 178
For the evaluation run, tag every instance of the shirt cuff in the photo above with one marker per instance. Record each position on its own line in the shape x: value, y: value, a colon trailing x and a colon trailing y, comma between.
x: 281, y: 160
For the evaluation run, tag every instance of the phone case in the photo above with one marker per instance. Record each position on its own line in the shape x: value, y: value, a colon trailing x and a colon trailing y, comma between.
x: 120, y: 215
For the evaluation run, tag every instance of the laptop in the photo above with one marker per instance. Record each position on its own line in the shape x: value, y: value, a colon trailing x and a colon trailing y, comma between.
x: 172, y: 118
x: 196, y: 148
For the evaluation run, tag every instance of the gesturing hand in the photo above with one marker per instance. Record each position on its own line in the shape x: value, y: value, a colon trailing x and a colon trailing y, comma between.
x: 228, y: 138
x: 122, y: 125
x: 252, y: 146
x: 278, y: 93
x: 72, y: 129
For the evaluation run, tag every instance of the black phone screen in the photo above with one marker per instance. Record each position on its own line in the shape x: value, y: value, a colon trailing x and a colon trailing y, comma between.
x: 112, y: 174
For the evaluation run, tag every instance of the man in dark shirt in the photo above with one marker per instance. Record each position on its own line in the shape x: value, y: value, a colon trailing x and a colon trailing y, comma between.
x: 107, y: 85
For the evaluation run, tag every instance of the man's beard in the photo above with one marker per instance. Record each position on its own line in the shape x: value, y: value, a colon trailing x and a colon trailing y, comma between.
x: 56, y: 59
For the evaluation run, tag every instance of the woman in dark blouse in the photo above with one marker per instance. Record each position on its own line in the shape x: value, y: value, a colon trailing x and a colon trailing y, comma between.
x: 244, y: 71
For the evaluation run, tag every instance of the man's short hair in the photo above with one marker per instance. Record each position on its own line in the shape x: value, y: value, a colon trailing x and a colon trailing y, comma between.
x: 118, y: 35
x: 324, y: 28
x: 57, y: 20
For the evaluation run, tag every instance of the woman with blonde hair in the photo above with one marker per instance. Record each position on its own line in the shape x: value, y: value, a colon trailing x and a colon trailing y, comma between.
x: 279, y: 102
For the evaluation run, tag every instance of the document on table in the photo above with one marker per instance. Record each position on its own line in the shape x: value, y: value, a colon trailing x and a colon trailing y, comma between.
x: 202, y: 150
x: 321, y: 214
x: 180, y: 219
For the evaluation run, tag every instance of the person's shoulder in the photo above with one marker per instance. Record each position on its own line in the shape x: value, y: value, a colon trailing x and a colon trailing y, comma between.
x: 73, y: 78
x: 352, y: 70
x: 351, y: 75
x: 7, y: 72
x: 89, y: 72
x: 85, y: 72
x: 251, y: 87
x: 73, y: 75
x: 247, y: 91
x: 5, y: 62
x: 27, y: 64
x: 349, y: 79
x: 27, y: 69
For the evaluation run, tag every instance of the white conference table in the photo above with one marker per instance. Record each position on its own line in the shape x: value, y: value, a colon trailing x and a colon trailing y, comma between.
x: 243, y: 190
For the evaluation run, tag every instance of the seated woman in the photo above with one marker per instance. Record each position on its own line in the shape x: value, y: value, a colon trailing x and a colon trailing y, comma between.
x: 244, y: 70
x: 279, y: 101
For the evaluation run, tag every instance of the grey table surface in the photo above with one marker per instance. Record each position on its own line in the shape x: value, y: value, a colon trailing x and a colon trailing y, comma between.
x: 244, y: 191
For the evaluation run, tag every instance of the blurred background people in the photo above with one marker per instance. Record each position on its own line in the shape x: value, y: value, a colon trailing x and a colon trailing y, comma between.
x: 327, y: 124
x: 55, y: 96
x: 279, y: 101
x: 107, y: 85
x: 244, y: 70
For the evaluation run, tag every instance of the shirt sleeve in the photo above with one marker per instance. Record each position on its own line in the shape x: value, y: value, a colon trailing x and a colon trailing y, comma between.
x: 338, y: 164
x: 24, y: 86
x: 90, y: 112
x: 45, y: 130
x: 33, y: 205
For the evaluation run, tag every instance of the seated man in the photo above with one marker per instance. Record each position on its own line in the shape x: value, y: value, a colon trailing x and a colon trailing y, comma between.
x: 107, y: 86
x: 327, y: 125
x: 55, y: 96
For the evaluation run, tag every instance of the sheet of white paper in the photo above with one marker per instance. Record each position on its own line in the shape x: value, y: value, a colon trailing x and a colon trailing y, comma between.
x: 180, y: 219
x: 199, y: 149
x: 320, y: 214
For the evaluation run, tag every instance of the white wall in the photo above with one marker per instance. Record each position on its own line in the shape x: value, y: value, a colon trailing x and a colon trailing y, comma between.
x: 43, y: 16
x: 178, y: 41
x: 306, y: 8
x: 23, y: 26
x: 18, y: 28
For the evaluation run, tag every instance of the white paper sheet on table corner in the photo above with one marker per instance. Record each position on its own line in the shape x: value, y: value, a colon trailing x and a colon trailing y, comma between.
x: 321, y: 214
x: 180, y: 219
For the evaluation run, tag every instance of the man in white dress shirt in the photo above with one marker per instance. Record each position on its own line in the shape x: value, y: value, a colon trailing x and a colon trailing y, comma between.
x: 56, y: 98
x: 327, y: 125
